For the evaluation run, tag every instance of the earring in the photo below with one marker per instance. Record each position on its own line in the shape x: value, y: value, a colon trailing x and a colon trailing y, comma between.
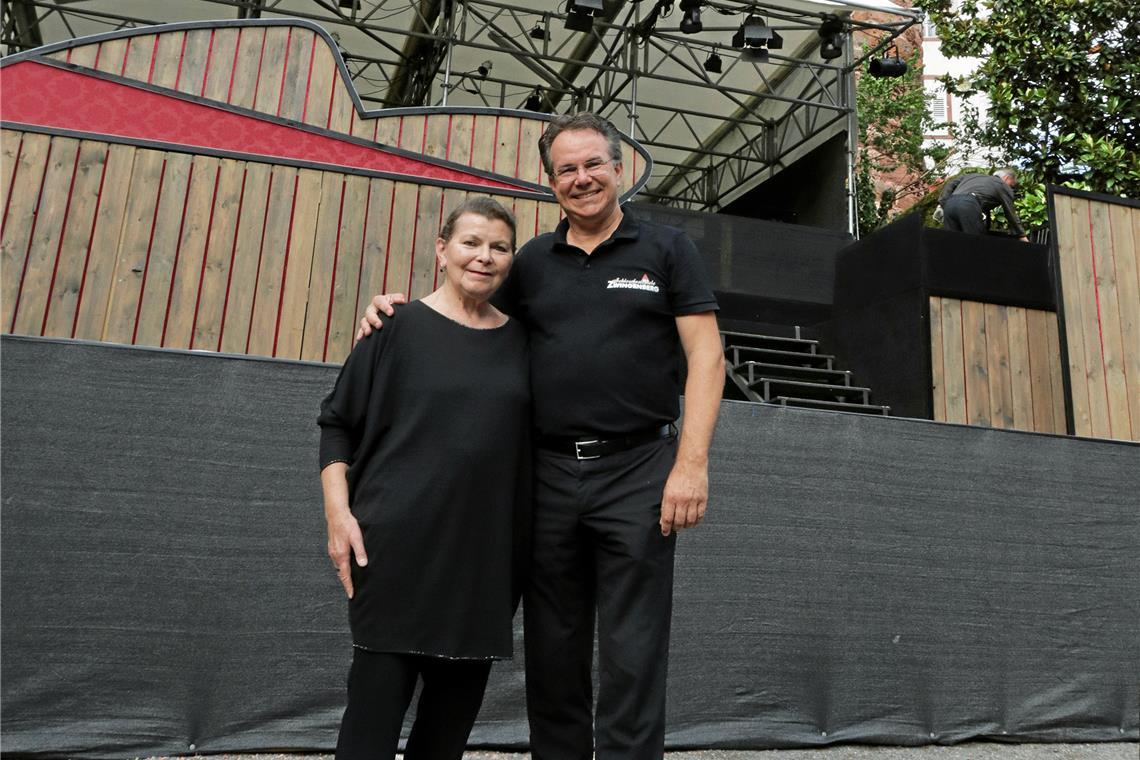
x: 443, y: 267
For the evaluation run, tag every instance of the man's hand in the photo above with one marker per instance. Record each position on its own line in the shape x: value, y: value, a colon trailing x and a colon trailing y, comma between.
x: 371, y: 319
x: 345, y: 541
x: 686, y: 496
x: 1024, y: 238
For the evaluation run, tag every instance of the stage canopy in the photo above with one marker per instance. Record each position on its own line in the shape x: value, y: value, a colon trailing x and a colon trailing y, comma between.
x: 714, y: 134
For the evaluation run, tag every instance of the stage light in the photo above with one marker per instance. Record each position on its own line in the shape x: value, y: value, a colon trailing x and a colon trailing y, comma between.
x: 534, y: 101
x: 713, y: 63
x: 484, y: 69
x: 831, y: 42
x: 777, y: 42
x: 888, y: 66
x: 691, y: 16
x: 539, y: 31
x: 753, y: 33
x: 580, y: 14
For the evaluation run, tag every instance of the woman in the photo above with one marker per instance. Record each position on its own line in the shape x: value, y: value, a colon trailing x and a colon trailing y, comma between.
x: 423, y: 447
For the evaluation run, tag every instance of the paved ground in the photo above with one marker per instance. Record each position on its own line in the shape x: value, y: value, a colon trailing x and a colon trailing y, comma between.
x: 972, y: 751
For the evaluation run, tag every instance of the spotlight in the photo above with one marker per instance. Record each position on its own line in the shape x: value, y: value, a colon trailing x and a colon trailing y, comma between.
x: 712, y: 63
x: 691, y: 16
x: 539, y: 32
x: 753, y: 33
x: 888, y: 66
x: 484, y: 69
x: 777, y: 42
x: 831, y: 42
x: 580, y: 14
x: 534, y: 101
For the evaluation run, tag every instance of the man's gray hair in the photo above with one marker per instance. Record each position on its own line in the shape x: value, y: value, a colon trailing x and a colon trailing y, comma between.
x: 584, y: 120
x: 1003, y: 173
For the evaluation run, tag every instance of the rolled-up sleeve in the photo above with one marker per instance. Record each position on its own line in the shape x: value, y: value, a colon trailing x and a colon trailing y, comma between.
x: 345, y: 410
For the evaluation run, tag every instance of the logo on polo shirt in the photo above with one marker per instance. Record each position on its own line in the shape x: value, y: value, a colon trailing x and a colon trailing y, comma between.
x: 643, y: 284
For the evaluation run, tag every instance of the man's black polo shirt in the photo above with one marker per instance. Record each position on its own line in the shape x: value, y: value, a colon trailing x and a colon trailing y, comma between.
x: 604, y: 351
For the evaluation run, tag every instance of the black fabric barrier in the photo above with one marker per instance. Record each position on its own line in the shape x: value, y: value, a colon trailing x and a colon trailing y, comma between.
x: 858, y: 579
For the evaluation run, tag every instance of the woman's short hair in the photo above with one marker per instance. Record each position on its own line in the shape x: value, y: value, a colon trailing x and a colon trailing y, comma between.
x: 481, y: 205
x: 584, y: 120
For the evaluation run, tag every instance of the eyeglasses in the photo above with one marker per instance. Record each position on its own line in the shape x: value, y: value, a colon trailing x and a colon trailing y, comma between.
x: 593, y: 167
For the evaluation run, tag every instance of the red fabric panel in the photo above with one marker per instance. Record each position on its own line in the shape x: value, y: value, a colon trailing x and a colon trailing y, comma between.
x: 48, y: 96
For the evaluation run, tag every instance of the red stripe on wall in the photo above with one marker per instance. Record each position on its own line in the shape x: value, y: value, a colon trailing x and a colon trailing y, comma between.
x: 471, y: 147
x: 127, y: 57
x: 494, y: 145
x: 284, y: 70
x: 233, y: 256
x: 177, y: 253
x: 59, y: 245
x: 447, y: 148
x: 363, y: 237
x: 435, y: 264
x: 205, y: 256
x: 206, y: 74
x: 149, y: 246
x: 260, y: 252
x: 31, y: 237
x: 1119, y: 319
x: 233, y: 68
x: 388, y: 245
x: 260, y: 61
x: 309, y: 79
x: 285, y: 263
x: 332, y: 99
x: 332, y: 277
x: 153, y: 58
x: 12, y: 179
x: 181, y: 59
x: 415, y: 231
x: 518, y: 148
x: 1099, y: 318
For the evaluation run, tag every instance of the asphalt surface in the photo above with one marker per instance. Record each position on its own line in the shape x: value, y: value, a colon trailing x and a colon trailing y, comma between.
x: 971, y: 751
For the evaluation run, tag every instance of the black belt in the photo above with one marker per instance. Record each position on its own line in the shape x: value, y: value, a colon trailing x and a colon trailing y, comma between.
x: 592, y: 448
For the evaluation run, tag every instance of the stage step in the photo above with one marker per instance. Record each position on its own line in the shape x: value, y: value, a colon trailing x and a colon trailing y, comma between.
x: 798, y: 345
x: 769, y: 388
x: 790, y: 371
x: 755, y: 370
x: 740, y: 354
x: 839, y: 406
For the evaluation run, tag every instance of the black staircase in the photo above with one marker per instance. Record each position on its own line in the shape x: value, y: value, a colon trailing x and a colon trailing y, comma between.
x: 790, y: 372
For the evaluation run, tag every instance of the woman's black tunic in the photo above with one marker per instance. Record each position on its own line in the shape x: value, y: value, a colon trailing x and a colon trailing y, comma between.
x: 433, y: 419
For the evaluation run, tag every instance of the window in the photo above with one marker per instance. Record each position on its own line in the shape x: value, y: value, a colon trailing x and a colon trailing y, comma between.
x: 938, y: 102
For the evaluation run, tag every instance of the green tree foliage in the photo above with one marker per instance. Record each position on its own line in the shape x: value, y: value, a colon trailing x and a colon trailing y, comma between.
x: 893, y: 117
x: 1063, y: 81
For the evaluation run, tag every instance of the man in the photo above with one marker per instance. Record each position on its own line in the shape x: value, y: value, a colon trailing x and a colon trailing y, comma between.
x: 968, y: 199
x: 609, y: 302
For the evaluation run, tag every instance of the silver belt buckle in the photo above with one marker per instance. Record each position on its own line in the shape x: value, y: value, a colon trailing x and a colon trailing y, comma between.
x: 578, y: 450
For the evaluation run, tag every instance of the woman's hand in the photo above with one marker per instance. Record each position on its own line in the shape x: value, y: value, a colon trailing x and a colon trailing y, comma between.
x: 371, y: 319
x: 345, y: 538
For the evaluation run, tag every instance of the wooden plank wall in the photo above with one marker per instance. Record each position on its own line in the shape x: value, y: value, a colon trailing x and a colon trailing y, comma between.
x: 1097, y: 245
x: 162, y: 248
x: 996, y: 366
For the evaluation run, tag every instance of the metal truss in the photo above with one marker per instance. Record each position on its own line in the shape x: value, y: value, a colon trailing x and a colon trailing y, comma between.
x: 711, y: 135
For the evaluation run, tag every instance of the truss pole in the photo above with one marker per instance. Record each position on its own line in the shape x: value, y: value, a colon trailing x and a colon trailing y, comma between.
x: 852, y: 133
x: 449, y: 9
x: 632, y: 38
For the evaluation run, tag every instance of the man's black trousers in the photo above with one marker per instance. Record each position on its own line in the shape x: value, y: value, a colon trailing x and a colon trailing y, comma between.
x: 964, y: 213
x: 599, y: 555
